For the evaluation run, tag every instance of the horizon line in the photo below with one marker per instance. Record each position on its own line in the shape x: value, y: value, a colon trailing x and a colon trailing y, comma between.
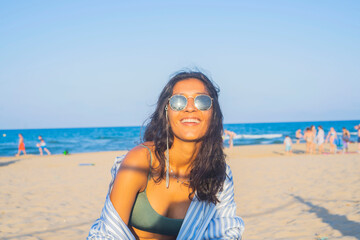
x: 144, y: 125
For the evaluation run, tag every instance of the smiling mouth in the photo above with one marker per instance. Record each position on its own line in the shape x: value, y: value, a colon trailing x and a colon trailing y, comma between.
x: 190, y: 120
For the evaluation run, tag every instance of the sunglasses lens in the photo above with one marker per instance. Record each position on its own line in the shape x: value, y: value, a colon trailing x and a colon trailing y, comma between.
x: 178, y: 102
x: 203, y: 102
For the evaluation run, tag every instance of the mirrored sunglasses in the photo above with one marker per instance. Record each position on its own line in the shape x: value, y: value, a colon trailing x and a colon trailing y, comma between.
x: 179, y: 102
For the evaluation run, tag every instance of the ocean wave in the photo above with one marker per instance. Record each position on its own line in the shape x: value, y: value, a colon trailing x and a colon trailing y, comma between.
x: 259, y: 136
x: 351, y: 133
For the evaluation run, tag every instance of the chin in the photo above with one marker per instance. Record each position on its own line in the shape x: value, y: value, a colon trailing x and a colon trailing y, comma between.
x: 190, y: 137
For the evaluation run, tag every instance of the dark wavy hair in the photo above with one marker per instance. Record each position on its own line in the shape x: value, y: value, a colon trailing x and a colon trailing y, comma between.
x: 208, y: 170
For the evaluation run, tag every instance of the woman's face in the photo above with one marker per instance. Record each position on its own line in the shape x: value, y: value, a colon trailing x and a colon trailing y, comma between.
x: 189, y: 124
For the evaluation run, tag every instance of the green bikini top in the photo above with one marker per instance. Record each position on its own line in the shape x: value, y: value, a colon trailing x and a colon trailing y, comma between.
x: 145, y: 218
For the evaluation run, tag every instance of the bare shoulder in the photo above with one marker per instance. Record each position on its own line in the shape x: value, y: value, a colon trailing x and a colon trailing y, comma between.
x: 131, y: 178
x: 136, y: 165
x: 139, y: 156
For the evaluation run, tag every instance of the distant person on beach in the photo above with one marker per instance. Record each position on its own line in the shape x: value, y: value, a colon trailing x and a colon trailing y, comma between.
x: 358, y: 136
x: 21, y: 147
x: 287, y: 144
x: 320, y: 138
x: 331, y: 137
x: 313, y: 130
x: 309, y: 138
x: 298, y: 135
x: 180, y: 167
x: 231, y: 137
x: 42, y: 146
x: 346, y: 139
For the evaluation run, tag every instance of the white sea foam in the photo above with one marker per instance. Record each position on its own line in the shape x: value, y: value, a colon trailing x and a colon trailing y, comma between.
x: 260, y: 136
x: 351, y: 133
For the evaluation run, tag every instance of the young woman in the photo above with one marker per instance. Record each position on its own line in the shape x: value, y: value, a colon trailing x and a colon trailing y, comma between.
x: 309, y: 138
x: 21, y: 147
x: 357, y: 127
x: 320, y: 138
x: 314, y: 142
x: 346, y: 139
x: 331, y: 137
x: 298, y: 136
x: 176, y: 185
x: 42, y: 146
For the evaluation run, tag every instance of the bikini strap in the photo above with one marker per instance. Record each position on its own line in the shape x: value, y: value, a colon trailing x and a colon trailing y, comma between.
x: 150, y: 163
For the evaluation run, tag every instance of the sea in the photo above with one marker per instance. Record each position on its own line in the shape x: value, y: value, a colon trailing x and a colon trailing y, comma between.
x: 99, y: 139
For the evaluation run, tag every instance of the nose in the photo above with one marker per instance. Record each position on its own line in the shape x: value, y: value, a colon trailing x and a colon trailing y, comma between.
x: 190, y: 107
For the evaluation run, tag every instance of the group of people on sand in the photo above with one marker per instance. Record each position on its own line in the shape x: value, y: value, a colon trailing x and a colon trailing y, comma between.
x: 316, y: 137
x: 41, y: 145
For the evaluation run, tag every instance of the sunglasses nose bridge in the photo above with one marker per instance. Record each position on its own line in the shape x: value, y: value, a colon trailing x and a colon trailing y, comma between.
x: 190, y: 106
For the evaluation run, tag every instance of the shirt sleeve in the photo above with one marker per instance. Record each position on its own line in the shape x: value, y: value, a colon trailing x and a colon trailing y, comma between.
x: 110, y: 226
x: 225, y: 224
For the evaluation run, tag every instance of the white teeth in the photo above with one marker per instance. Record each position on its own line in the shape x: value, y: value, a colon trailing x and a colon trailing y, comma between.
x: 190, y: 120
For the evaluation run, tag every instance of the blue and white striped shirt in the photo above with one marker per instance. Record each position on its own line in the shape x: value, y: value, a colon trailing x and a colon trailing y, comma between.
x: 202, y: 220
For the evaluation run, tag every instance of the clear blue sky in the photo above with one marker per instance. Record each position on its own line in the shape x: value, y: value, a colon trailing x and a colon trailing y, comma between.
x: 104, y: 63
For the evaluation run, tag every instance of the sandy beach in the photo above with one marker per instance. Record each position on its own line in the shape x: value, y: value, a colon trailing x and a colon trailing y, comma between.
x: 279, y: 196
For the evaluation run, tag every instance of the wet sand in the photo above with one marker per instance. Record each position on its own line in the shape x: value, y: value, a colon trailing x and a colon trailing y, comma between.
x: 279, y: 196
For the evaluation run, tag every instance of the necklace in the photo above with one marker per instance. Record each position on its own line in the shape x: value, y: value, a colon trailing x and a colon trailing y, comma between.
x: 177, y: 178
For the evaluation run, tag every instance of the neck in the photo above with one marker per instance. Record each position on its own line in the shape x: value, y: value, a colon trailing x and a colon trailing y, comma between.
x: 182, y: 154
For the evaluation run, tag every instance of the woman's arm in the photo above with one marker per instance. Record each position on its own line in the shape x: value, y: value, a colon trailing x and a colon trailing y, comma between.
x: 114, y: 218
x: 130, y: 179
